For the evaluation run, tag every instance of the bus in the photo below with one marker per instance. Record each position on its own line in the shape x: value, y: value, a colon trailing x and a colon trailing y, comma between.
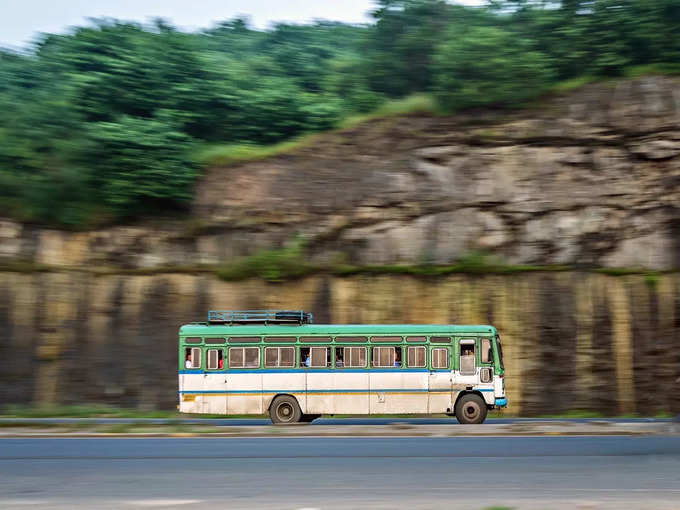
x: 280, y: 363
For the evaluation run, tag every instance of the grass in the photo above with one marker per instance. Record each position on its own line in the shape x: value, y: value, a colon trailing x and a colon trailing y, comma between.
x: 270, y: 265
x: 410, y: 105
x: 290, y: 263
x: 573, y: 83
x: 232, y: 154
x: 666, y: 68
x: 628, y: 73
x: 472, y: 263
x: 97, y: 411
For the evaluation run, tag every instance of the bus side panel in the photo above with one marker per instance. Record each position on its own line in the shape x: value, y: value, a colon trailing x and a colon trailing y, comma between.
x: 398, y: 391
x: 319, y: 399
x: 245, y: 392
x: 440, y: 390
x: 191, y: 389
x: 292, y: 383
x: 215, y: 393
x: 350, y: 389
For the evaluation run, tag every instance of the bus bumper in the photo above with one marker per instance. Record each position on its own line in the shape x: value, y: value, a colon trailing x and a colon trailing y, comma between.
x: 501, y: 402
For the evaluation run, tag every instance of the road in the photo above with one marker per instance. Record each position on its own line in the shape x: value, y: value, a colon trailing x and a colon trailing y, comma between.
x: 247, y: 422
x: 424, y: 472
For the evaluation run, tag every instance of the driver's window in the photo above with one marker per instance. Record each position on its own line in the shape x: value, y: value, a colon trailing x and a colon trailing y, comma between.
x: 467, y: 357
x: 486, y: 354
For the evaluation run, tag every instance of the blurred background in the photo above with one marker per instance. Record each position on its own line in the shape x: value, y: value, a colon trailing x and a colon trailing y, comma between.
x: 405, y: 161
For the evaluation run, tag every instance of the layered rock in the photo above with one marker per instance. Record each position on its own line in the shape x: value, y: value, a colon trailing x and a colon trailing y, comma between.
x: 587, y: 178
x: 572, y: 341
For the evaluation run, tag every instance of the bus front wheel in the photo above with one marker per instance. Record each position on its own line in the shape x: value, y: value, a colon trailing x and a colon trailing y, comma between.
x: 285, y: 409
x: 471, y: 409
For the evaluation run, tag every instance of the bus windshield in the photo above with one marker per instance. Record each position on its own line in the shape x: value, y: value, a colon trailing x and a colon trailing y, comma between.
x: 500, y: 351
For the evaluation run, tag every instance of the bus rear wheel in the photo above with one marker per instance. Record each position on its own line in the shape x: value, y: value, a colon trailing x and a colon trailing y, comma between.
x: 284, y: 410
x: 471, y: 409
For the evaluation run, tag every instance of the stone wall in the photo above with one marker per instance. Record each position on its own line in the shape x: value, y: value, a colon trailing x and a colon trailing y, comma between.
x: 572, y: 340
x: 590, y: 178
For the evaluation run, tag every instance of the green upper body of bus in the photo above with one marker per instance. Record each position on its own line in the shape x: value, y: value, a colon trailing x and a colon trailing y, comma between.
x: 336, y: 334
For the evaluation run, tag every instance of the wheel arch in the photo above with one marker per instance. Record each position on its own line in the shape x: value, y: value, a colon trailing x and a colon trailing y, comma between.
x: 469, y: 392
x: 300, y: 403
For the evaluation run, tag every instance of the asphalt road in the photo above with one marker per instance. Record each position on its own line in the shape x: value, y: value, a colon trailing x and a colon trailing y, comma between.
x: 245, y: 422
x: 294, y: 473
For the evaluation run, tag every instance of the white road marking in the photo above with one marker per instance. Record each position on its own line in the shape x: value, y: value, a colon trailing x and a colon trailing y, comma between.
x: 164, y: 502
x: 22, y: 502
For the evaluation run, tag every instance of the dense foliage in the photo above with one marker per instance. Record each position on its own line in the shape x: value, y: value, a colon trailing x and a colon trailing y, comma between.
x: 102, y: 124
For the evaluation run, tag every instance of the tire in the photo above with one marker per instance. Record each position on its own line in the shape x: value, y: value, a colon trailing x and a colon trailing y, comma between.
x: 285, y: 410
x: 471, y: 409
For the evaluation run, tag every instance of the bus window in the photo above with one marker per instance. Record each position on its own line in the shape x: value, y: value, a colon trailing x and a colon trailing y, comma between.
x: 415, y: 355
x: 354, y: 357
x: 487, y: 353
x: 339, y: 357
x: 315, y: 357
x: 500, y: 351
x: 244, y: 357
x: 276, y: 357
x: 192, y: 357
x: 215, y: 359
x: 386, y: 356
x: 383, y: 357
x: 440, y: 339
x: 321, y: 357
x: 440, y: 357
x: 467, y: 357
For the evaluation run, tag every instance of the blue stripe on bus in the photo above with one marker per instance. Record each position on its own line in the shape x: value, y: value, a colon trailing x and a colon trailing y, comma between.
x: 375, y: 390
x: 387, y: 390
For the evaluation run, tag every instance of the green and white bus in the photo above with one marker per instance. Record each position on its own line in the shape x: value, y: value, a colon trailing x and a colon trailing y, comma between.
x: 278, y: 362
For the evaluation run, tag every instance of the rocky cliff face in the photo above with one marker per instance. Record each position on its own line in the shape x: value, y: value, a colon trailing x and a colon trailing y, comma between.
x: 588, y: 179
x: 571, y: 340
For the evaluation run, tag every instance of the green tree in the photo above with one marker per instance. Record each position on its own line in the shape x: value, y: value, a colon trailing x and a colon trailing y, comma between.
x: 140, y: 165
x: 402, y: 42
x: 487, y: 65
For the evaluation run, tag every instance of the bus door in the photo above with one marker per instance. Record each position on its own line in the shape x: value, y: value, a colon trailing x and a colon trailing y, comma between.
x: 439, y: 380
x: 214, y: 383
x: 468, y: 373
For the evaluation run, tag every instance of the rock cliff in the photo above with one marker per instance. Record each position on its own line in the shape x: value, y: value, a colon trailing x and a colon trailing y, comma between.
x: 587, y: 179
x: 572, y: 341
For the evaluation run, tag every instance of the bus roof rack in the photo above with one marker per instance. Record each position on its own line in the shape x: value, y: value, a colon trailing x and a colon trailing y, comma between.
x: 259, y: 317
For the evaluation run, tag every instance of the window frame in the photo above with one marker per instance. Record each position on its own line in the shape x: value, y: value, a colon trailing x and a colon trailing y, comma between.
x: 424, y: 348
x: 311, y: 357
x: 207, y: 358
x: 489, y: 363
x: 447, y: 357
x: 278, y: 356
x: 243, y: 348
x: 473, y: 341
x: 200, y: 358
x: 344, y: 357
x: 373, y: 357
